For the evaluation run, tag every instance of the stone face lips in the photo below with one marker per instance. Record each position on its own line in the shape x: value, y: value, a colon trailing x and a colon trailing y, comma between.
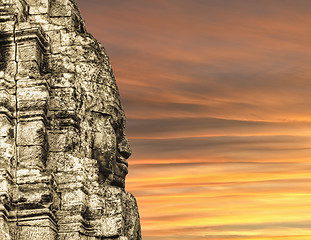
x: 63, y: 149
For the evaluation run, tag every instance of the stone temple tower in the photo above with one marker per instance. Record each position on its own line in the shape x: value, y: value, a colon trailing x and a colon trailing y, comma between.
x: 63, y: 150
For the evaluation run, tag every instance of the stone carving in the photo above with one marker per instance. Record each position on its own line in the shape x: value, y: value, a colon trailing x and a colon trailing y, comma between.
x: 63, y: 149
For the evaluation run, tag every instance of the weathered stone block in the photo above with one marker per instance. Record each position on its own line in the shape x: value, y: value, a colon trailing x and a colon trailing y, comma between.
x: 34, y: 232
x: 32, y: 82
x: 35, y: 93
x: 71, y: 236
x: 63, y: 98
x: 8, y: 70
x: 7, y: 101
x: 9, y: 86
x: 31, y: 134
x: 6, y: 127
x: 30, y: 69
x: 65, y: 80
x: 31, y: 106
x: 7, y: 52
x: 67, y: 38
x: 64, y: 119
x: 33, y: 194
x: 5, y: 187
x: 73, y: 200
x: 62, y: 8
x: 63, y: 141
x: 30, y: 51
x: 8, y: 25
x: 69, y: 163
x: 6, y: 152
x: 62, y: 63
x: 38, y: 6
x: 39, y: 18
x: 31, y: 156
x: 4, y: 229
x: 63, y: 22
x: 54, y: 36
x: 112, y: 226
x: 28, y: 175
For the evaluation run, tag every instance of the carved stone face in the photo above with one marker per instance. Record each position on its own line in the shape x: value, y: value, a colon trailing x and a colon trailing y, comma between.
x: 123, y: 153
x: 110, y: 147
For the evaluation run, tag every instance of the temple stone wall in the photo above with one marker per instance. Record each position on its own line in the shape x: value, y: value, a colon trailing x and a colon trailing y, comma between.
x: 63, y: 149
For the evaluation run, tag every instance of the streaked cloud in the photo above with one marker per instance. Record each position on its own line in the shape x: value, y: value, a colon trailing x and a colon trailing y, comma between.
x: 216, y: 94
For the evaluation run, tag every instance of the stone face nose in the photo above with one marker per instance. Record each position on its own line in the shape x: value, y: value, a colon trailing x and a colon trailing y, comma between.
x: 124, y: 148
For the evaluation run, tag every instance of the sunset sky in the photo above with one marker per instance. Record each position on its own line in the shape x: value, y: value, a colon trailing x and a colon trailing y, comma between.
x: 217, y: 95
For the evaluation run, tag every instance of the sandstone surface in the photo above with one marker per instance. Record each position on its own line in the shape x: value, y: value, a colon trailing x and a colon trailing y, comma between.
x: 63, y: 149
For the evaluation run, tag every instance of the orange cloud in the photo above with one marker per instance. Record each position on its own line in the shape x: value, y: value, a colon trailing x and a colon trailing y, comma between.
x: 217, y: 95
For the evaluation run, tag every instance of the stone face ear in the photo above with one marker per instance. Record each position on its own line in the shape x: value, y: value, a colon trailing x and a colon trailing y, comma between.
x: 63, y: 150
